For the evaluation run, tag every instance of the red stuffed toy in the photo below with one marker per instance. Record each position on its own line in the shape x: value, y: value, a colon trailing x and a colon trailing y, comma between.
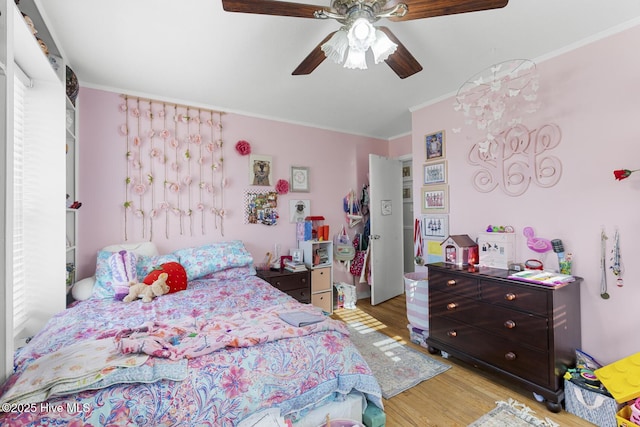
x: 177, y: 279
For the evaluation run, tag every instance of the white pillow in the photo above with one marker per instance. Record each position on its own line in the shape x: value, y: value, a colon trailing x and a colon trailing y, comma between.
x: 83, y: 289
x: 141, y: 248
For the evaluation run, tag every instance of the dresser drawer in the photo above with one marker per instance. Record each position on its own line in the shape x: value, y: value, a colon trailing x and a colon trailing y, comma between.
x: 303, y: 295
x: 290, y: 281
x: 323, y: 300
x: 502, y: 353
x: 321, y: 279
x: 461, y: 285
x: 521, y: 297
x: 515, y: 325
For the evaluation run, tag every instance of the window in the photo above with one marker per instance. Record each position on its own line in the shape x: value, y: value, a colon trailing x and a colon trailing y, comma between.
x: 19, y: 279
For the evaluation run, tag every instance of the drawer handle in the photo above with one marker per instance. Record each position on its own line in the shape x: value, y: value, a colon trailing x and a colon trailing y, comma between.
x: 452, y: 306
x: 277, y: 284
x: 509, y: 324
x: 303, y: 280
x: 452, y: 334
x: 451, y: 282
x: 510, y: 356
x: 510, y: 296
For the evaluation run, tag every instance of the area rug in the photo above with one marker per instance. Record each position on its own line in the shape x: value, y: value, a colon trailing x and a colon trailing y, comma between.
x: 512, y: 414
x: 397, y: 367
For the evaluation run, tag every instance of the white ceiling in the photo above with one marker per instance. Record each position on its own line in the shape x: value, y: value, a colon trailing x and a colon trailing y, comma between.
x: 192, y: 51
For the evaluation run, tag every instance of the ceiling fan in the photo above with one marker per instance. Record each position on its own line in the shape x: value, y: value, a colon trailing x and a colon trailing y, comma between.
x: 358, y: 34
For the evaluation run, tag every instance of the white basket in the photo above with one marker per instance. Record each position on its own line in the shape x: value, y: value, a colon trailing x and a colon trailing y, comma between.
x: 417, y: 292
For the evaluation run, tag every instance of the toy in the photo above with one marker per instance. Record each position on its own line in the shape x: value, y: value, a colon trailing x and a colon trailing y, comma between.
x: 148, y: 292
x: 177, y: 276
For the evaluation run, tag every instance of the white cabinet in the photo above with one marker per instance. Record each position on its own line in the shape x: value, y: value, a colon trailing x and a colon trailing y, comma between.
x: 318, y: 257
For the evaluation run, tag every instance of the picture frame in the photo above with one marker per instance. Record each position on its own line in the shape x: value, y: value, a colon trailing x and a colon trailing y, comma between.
x: 435, y: 199
x: 299, y: 179
x: 406, y: 172
x: 260, y: 170
x: 435, y: 226
x: 435, y: 145
x: 407, y: 193
x: 299, y: 210
x: 435, y: 172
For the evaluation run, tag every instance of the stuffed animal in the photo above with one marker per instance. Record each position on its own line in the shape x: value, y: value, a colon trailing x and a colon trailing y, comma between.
x: 148, y: 292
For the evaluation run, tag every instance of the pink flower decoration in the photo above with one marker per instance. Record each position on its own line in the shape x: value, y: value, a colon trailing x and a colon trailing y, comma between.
x: 139, y: 213
x: 174, y: 187
x: 153, y: 213
x: 175, y: 166
x: 186, y: 180
x: 243, y: 147
x: 200, y: 207
x: 161, y: 113
x: 202, y: 160
x: 282, y: 186
x: 124, y: 130
x: 174, y: 143
x: 165, y: 133
x: 149, y: 114
x: 139, y: 189
x: 152, y: 133
x: 154, y: 152
x: 122, y: 107
x: 164, y: 206
x: 210, y: 122
x: 211, y: 147
x: 136, y: 141
x: 135, y: 112
x: 196, y: 120
x: 196, y: 139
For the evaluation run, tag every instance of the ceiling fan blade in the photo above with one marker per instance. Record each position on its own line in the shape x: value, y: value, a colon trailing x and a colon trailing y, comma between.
x: 271, y: 7
x: 419, y: 9
x: 401, y: 61
x: 312, y: 60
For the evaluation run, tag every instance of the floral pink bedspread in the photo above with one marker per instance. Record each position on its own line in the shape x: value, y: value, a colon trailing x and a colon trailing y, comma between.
x: 222, y: 387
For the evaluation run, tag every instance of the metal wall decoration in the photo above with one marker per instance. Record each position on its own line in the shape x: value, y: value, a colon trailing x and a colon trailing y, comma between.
x: 175, y: 175
x: 516, y: 158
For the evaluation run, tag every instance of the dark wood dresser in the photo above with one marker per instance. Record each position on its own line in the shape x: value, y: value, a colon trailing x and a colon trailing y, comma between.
x: 525, y: 332
x: 298, y: 284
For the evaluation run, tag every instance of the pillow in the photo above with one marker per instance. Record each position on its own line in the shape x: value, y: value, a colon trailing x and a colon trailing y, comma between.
x: 231, y: 273
x: 146, y: 264
x: 123, y: 272
x: 83, y: 289
x: 103, y: 278
x: 202, y: 260
x: 177, y: 276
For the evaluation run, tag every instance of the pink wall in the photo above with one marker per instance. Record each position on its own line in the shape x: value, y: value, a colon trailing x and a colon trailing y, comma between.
x: 593, y: 95
x: 336, y: 162
x: 400, y: 146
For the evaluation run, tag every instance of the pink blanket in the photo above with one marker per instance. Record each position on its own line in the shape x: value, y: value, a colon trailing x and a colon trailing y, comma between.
x: 195, y: 337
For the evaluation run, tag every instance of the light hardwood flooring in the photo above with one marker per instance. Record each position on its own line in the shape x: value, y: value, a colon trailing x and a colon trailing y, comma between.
x: 456, y: 397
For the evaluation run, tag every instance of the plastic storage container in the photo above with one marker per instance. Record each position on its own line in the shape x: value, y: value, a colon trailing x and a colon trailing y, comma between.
x: 417, y: 291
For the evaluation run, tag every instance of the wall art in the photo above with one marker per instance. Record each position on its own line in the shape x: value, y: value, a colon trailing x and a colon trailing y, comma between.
x: 435, y: 199
x: 260, y: 170
x: 435, y: 172
x: 299, y: 179
x: 299, y: 210
x: 174, y: 176
x: 517, y: 158
x: 435, y: 146
x: 435, y: 226
x: 261, y: 207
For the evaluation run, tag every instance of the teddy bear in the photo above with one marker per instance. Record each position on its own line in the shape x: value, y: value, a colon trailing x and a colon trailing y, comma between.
x: 148, y: 292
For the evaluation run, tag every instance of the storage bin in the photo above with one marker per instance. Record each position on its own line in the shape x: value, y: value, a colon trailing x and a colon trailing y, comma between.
x: 418, y: 336
x: 589, y: 405
x: 417, y: 293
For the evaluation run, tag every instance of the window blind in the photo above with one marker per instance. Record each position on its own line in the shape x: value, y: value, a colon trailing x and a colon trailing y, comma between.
x: 19, y: 273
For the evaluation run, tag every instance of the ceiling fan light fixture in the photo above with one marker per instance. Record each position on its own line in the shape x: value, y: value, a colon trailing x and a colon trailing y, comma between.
x: 382, y: 47
x: 356, y: 59
x: 336, y: 47
x: 361, y: 35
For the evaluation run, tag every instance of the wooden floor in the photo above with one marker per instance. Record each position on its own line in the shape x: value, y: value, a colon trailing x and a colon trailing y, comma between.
x: 456, y: 397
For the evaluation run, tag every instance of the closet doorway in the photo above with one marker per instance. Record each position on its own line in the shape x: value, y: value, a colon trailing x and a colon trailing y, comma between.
x: 407, y: 213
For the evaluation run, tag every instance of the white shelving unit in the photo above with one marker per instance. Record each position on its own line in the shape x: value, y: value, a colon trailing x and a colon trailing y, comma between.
x: 318, y: 257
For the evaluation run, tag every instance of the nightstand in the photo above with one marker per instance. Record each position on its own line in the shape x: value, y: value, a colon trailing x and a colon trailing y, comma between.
x: 298, y: 284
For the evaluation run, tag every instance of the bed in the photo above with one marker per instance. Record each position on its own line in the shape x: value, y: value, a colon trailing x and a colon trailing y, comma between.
x: 213, y: 354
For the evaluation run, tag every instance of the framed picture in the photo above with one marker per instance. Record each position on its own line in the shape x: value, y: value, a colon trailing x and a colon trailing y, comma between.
x: 406, y: 192
x: 435, y: 172
x: 435, y: 199
x: 406, y: 172
x: 260, y: 170
x: 299, y: 210
x: 435, y: 145
x: 435, y: 226
x: 299, y: 179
